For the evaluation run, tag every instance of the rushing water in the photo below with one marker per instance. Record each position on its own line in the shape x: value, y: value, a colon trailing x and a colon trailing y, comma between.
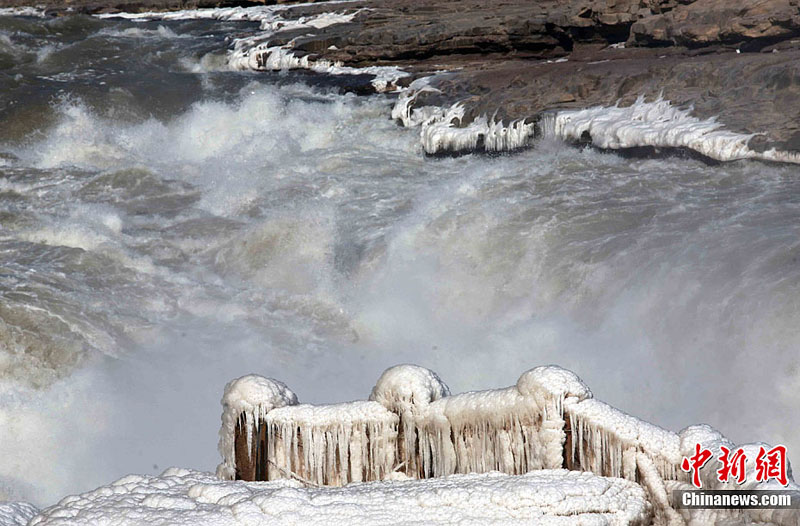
x: 167, y: 225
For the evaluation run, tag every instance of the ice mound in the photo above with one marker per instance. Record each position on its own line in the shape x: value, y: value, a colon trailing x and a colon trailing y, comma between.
x: 188, y: 497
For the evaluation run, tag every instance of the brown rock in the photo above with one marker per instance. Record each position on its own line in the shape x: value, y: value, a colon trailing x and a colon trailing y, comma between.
x: 752, y: 24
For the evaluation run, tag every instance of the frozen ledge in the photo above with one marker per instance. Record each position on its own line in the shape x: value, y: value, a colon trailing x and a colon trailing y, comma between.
x: 656, y: 124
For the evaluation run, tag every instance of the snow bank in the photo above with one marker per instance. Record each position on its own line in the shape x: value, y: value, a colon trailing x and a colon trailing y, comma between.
x: 16, y: 513
x: 179, y: 497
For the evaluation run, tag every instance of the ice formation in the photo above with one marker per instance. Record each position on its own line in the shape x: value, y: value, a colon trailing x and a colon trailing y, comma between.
x: 37, y: 12
x: 255, y: 53
x: 179, y: 497
x: 657, y: 124
x: 263, y: 57
x: 412, y: 427
x: 245, y: 403
x: 603, y: 436
x: 254, y: 14
x: 407, y: 390
x: 443, y: 129
x: 331, y: 444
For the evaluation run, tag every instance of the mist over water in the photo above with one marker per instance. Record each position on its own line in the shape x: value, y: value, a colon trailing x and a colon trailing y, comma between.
x: 166, y: 226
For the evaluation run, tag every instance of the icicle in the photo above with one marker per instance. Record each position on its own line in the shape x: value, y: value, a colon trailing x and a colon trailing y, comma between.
x: 251, y: 397
x: 333, y: 444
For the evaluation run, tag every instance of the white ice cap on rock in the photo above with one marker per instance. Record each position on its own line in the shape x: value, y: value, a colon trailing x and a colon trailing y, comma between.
x: 247, y: 392
x: 405, y: 386
x: 554, y: 381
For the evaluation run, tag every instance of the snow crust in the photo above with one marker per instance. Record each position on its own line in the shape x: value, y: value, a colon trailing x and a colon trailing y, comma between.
x: 250, y: 397
x: 179, y: 496
x: 16, y: 513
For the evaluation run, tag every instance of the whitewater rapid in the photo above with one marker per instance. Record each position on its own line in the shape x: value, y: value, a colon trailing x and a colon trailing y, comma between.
x: 167, y: 225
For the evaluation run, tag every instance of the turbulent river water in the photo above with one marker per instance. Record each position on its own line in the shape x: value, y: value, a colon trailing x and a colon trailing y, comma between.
x: 167, y: 224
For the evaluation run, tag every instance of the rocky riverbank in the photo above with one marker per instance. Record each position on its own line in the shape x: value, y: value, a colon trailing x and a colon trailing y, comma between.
x: 513, y: 61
